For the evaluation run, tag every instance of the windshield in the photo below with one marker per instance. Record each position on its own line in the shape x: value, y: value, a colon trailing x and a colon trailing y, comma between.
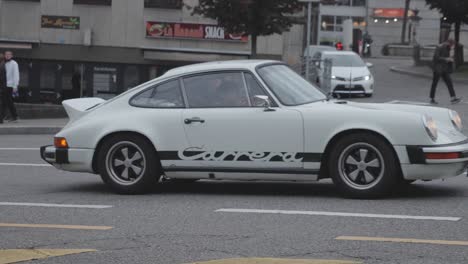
x: 289, y: 87
x: 341, y: 60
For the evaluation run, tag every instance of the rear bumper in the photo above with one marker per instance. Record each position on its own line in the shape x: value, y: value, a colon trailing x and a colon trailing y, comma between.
x: 75, y: 160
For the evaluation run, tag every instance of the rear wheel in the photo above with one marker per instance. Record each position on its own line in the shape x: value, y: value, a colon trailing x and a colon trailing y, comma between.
x: 128, y: 164
x: 363, y: 166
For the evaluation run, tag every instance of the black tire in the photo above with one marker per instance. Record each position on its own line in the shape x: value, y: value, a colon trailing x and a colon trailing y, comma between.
x: 368, y: 95
x: 363, y: 165
x: 334, y: 95
x: 142, y: 174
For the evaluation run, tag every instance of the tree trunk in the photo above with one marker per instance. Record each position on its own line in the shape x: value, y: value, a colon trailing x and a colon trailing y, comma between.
x: 405, y: 21
x: 253, y: 54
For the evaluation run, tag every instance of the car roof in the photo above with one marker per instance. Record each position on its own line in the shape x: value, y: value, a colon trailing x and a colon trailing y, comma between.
x: 217, y: 65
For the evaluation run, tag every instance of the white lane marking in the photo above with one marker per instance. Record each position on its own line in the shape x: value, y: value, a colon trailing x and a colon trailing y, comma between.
x: 87, y: 206
x: 19, y: 149
x: 322, y: 213
x: 25, y: 164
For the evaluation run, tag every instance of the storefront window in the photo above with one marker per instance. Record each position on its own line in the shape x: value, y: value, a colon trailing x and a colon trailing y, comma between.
x: 359, y: 2
x: 169, y: 4
x: 105, y: 82
x: 339, y: 24
x: 47, y: 77
x: 328, y: 23
x: 93, y: 2
x: 344, y: 2
x: 131, y: 77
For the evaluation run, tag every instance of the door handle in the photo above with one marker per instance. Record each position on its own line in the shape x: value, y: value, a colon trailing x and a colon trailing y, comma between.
x: 189, y: 121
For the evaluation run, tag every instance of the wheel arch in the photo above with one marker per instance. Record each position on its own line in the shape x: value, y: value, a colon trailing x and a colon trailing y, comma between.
x: 123, y: 133
x: 332, y: 142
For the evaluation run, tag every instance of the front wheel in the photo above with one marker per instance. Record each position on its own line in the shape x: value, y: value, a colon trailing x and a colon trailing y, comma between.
x: 363, y: 166
x: 128, y: 164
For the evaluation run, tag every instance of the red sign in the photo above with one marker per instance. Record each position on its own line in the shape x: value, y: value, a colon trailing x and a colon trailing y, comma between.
x: 392, y: 12
x: 190, y: 31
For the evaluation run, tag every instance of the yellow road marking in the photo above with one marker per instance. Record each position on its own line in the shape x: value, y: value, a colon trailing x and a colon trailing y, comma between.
x: 277, y: 261
x: 404, y: 240
x: 78, y: 227
x: 8, y: 256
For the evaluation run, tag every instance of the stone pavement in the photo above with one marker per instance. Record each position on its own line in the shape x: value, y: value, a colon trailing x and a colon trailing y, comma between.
x: 33, y: 126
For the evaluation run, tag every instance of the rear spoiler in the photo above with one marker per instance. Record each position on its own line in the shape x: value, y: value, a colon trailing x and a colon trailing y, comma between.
x: 76, y: 108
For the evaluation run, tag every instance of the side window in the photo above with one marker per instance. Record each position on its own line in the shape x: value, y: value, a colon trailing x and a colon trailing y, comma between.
x: 254, y: 89
x: 166, y: 95
x: 216, y: 90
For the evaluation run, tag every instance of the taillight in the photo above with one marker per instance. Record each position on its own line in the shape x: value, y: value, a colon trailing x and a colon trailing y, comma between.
x: 60, y: 142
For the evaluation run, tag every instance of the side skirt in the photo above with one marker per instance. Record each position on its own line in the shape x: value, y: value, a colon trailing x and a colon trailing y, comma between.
x: 248, y: 174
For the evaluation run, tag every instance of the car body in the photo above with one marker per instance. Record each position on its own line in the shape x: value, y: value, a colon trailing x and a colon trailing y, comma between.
x: 254, y: 120
x: 350, y: 74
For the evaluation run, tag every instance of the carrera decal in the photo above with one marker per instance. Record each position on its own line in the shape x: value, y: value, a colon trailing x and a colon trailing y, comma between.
x: 191, y: 155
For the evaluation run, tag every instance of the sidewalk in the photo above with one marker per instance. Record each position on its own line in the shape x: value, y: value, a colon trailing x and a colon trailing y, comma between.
x: 33, y: 126
x: 407, y: 67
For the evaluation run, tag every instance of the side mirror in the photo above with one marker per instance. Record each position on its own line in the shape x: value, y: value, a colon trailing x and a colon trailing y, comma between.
x: 263, y: 101
x: 369, y: 65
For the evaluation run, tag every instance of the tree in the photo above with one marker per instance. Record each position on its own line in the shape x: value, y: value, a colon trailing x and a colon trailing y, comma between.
x: 251, y: 17
x: 455, y: 12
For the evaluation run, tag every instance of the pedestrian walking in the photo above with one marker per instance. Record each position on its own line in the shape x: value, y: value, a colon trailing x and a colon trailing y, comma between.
x: 3, y: 86
x: 12, y: 80
x: 443, y: 66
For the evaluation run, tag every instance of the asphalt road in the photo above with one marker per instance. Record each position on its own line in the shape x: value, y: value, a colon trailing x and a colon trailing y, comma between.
x: 181, y: 223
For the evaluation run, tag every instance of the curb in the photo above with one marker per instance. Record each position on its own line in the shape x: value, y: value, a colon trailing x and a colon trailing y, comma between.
x: 29, y: 130
x: 422, y: 75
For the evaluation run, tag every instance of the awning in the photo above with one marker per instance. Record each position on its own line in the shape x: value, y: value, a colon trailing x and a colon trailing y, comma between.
x: 192, y: 55
x: 17, y: 44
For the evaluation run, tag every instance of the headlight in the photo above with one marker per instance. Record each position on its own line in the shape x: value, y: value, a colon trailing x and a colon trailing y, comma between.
x: 456, y: 120
x: 363, y: 78
x: 431, y: 127
x: 333, y: 77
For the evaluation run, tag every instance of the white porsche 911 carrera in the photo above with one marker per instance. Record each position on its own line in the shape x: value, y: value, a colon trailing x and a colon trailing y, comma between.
x: 254, y: 120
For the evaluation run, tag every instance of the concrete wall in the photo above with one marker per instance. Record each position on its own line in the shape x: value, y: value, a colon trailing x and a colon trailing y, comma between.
x: 123, y: 25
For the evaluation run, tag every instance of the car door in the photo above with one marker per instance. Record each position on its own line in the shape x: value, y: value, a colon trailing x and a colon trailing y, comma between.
x: 227, y: 132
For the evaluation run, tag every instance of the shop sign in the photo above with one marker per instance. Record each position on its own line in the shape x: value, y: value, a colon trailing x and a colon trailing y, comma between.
x: 392, y: 13
x: 191, y: 31
x: 63, y: 22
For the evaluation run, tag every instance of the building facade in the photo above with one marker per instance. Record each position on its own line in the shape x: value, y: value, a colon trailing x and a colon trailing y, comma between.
x: 75, y: 48
x: 383, y: 20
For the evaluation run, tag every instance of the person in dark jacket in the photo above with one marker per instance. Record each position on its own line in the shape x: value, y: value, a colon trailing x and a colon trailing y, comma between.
x: 3, y: 86
x: 443, y: 67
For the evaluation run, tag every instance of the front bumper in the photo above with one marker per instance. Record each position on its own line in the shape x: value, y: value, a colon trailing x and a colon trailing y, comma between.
x: 75, y: 160
x: 423, y: 166
x: 353, y: 87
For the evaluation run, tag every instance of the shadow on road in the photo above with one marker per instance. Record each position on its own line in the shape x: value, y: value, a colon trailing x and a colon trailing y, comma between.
x: 318, y: 190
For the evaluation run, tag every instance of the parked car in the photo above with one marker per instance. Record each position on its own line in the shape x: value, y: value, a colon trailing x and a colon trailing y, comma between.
x: 254, y: 120
x: 350, y: 74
